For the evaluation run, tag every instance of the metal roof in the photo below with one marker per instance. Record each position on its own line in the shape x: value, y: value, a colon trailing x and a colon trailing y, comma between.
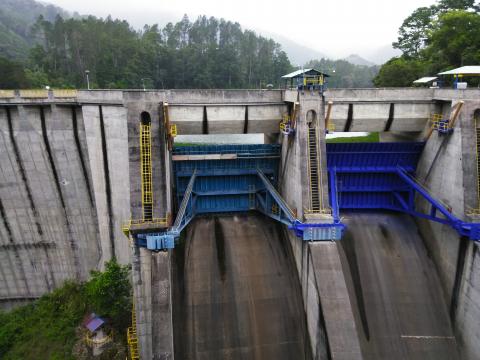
x: 297, y: 73
x: 464, y: 70
x: 425, y: 80
x: 92, y: 322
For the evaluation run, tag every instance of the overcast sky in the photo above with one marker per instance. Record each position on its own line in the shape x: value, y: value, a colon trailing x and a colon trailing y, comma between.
x: 337, y: 28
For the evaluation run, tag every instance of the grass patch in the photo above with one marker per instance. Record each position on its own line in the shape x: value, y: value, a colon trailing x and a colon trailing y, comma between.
x: 371, y: 137
x: 46, y: 329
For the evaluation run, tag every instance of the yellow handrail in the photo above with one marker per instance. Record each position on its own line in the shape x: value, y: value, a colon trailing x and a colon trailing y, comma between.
x: 476, y: 212
x: 7, y: 94
x: 146, y: 171
x: 132, y: 338
x: 95, y: 342
x: 321, y: 209
x: 36, y: 93
x: 157, y: 222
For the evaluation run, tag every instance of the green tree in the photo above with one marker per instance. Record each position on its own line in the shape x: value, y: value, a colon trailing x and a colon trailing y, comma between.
x: 432, y: 39
x: 109, y: 292
x: 345, y: 74
x: 13, y: 75
x: 399, y: 72
x: 455, y: 41
x: 447, y: 5
x: 413, y: 34
x: 208, y: 53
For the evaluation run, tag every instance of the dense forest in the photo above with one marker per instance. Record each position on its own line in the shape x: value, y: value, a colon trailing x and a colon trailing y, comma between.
x: 206, y: 53
x: 43, y: 45
x: 16, y: 19
x: 51, y: 327
x: 443, y: 36
x: 344, y: 74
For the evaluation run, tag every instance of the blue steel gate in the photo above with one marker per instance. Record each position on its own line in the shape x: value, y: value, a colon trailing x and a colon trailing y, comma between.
x: 231, y: 178
x: 382, y: 176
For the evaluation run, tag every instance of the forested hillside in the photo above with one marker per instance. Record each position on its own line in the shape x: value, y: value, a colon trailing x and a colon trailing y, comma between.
x: 16, y: 19
x: 42, y: 45
x: 206, y: 53
x: 344, y: 74
x: 443, y: 36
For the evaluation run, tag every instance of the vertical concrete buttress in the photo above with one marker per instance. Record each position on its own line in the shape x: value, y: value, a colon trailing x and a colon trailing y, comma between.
x: 448, y: 169
x: 151, y: 271
x: 330, y: 321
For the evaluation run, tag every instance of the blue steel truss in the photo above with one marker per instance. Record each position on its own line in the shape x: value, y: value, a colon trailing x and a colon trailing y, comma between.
x: 231, y: 178
x: 381, y: 176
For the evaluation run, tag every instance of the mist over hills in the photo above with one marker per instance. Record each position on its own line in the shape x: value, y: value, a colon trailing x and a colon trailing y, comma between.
x: 18, y: 36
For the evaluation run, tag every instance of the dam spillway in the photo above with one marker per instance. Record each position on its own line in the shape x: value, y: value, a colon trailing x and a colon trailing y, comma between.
x: 70, y: 165
x: 236, y: 294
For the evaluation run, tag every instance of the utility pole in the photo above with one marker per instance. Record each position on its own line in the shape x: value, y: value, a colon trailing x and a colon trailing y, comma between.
x: 87, y: 72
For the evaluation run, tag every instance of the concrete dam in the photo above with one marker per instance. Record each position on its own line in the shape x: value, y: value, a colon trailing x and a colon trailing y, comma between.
x: 289, y: 249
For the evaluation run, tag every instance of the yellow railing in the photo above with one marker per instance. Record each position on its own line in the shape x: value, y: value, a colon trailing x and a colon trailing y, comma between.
x: 313, y: 80
x: 132, y: 338
x: 146, y: 171
x: 476, y: 212
x: 154, y: 222
x: 39, y: 93
x: 7, y: 94
x: 286, y: 124
x: 31, y: 94
x: 173, y: 130
x: 319, y: 188
x: 64, y: 93
x: 98, y: 342
x: 437, y: 123
x: 323, y: 211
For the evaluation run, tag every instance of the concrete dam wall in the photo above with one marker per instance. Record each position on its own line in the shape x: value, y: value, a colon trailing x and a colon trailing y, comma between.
x: 70, y: 176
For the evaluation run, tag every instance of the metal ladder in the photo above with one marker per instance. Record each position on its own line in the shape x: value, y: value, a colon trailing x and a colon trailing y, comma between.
x: 146, y: 171
x: 132, y: 338
x: 314, y: 171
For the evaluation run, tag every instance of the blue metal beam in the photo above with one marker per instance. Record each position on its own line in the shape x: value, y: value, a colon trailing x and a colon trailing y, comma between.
x: 166, y: 240
x: 418, y: 188
x: 184, y: 217
x: 277, y: 197
x: 472, y: 230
